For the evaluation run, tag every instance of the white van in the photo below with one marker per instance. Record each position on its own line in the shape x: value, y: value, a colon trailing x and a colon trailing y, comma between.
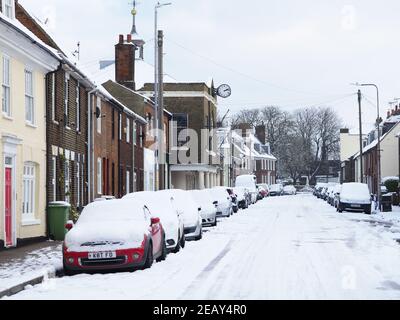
x: 250, y: 183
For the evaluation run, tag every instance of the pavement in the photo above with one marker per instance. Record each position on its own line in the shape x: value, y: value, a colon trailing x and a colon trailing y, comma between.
x: 28, y: 265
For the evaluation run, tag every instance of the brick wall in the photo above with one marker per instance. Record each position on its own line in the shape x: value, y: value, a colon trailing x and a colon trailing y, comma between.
x: 64, y: 141
x: 106, y: 147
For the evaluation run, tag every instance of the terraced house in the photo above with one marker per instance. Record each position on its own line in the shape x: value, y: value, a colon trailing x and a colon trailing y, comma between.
x: 24, y: 62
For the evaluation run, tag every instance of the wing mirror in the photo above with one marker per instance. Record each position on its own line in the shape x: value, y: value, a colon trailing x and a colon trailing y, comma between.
x: 155, y: 221
x: 69, y: 225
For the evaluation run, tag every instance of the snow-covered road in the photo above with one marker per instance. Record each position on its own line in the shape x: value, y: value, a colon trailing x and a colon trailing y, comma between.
x: 282, y: 248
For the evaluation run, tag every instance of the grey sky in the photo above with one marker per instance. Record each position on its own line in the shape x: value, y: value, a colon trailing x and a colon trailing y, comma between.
x: 278, y: 52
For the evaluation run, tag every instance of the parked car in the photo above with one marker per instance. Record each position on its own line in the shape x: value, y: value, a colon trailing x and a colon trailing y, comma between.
x: 276, y: 190
x: 289, y: 190
x: 331, y: 194
x: 318, y: 189
x: 266, y: 188
x: 355, y: 197
x: 336, y: 198
x: 208, y: 207
x: 221, y: 195
x: 249, y: 182
x: 235, y: 206
x: 242, y: 197
x: 113, y: 235
x: 161, y: 205
x: 262, y: 192
x: 190, y: 211
x: 104, y: 198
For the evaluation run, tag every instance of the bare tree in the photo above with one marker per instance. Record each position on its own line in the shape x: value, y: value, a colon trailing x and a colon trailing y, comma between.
x: 250, y: 117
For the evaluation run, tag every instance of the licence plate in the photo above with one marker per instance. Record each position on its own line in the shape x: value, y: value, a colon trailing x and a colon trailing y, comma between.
x: 356, y: 206
x: 102, y: 255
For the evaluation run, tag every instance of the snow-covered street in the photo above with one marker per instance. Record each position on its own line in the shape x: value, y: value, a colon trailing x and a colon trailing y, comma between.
x: 293, y: 247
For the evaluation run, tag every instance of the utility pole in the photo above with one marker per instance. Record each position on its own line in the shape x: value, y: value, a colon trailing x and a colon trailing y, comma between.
x: 361, y: 142
x: 157, y: 121
x: 160, y: 110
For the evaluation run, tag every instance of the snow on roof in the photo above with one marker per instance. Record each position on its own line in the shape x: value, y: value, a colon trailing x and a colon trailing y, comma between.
x: 144, y: 73
x: 393, y: 119
x: 374, y: 143
x: 26, y: 32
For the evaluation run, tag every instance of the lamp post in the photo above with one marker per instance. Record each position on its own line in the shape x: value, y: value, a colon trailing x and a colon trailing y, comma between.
x: 156, y: 94
x: 378, y: 122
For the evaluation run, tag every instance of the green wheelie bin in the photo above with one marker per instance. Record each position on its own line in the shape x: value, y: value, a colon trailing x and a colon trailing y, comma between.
x: 58, y: 216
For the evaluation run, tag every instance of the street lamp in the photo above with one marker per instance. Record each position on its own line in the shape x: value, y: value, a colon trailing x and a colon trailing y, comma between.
x: 157, y: 120
x: 378, y: 122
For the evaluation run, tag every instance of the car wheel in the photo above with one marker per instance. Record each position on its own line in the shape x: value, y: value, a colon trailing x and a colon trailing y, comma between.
x: 68, y: 272
x: 149, y: 258
x: 200, y: 236
x: 368, y: 211
x: 178, y: 246
x: 164, y: 252
x: 183, y: 242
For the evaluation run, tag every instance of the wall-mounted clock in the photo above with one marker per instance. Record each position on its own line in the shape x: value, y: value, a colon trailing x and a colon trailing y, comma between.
x: 224, y: 91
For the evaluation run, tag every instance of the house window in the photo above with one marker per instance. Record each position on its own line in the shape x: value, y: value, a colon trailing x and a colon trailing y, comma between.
x: 66, y: 99
x: 6, y: 87
x: 67, y: 183
x: 8, y: 8
x: 134, y: 133
x: 28, y: 205
x: 141, y: 136
x: 54, y: 175
x: 128, y: 181
x: 78, y: 109
x: 29, y: 100
x: 99, y: 176
x: 78, y: 184
x: 53, y: 96
x: 180, y: 122
x: 98, y: 105
x: 128, y: 130
x: 113, y: 125
x: 120, y: 127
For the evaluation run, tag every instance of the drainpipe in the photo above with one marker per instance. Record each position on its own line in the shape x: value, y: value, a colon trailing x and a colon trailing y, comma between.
x: 90, y: 160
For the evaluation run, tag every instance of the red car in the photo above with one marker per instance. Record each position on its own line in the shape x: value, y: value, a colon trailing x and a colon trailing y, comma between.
x: 113, y: 235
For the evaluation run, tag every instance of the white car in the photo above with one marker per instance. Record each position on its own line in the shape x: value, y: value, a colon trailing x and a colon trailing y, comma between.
x: 221, y: 195
x: 289, y: 190
x: 355, y: 197
x: 161, y: 205
x: 250, y: 183
x: 190, y: 211
x: 242, y: 197
x: 208, y: 207
x: 276, y: 190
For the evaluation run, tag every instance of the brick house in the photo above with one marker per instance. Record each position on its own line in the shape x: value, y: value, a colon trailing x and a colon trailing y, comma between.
x: 121, y: 77
x: 193, y: 106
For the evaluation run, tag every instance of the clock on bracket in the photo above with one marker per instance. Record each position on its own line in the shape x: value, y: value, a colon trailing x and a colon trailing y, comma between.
x: 224, y: 91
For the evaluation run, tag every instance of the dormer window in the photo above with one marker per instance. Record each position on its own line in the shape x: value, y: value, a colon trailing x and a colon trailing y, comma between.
x: 9, y: 8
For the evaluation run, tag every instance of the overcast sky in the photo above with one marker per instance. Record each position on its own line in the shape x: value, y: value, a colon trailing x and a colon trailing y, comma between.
x: 272, y: 52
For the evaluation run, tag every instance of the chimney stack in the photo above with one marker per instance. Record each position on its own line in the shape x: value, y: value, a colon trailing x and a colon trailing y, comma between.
x: 125, y: 62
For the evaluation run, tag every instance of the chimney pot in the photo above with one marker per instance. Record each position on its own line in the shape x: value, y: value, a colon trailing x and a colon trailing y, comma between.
x: 121, y: 39
x: 129, y: 38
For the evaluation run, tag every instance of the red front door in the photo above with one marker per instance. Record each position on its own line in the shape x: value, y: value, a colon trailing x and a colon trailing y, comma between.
x: 8, y: 208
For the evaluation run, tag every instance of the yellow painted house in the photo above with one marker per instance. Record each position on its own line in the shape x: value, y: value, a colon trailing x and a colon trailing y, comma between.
x: 24, y: 63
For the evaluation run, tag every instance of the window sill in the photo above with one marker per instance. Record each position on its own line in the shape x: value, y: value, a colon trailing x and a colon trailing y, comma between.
x: 7, y: 117
x: 30, y: 125
x: 31, y: 222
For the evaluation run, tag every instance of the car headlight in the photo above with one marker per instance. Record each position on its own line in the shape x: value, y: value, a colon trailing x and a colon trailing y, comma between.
x: 71, y: 260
